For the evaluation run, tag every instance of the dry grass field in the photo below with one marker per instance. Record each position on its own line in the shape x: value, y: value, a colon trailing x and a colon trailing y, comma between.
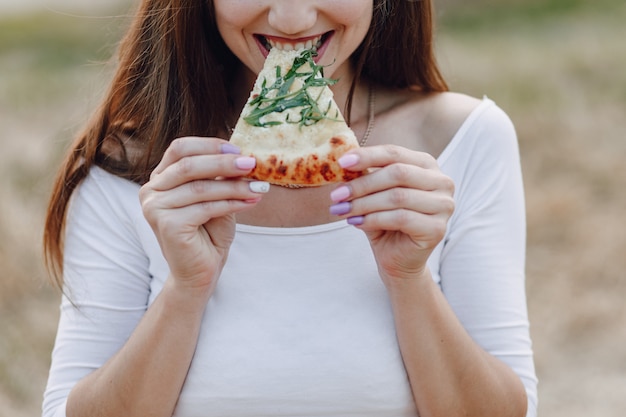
x: 558, y: 67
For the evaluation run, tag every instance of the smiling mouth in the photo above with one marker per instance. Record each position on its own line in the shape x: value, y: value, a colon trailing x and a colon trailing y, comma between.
x: 314, y: 43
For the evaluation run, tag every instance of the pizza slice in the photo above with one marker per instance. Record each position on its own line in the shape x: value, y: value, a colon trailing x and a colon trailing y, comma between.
x: 292, y: 125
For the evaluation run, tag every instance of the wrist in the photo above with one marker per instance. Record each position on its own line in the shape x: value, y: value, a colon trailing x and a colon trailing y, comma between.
x: 400, y: 278
x: 399, y: 285
x: 186, y: 297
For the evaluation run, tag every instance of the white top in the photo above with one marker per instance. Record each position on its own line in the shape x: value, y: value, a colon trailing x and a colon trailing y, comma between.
x: 300, y: 323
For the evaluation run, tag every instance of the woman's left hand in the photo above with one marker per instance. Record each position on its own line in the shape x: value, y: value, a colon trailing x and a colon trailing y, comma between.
x: 403, y: 205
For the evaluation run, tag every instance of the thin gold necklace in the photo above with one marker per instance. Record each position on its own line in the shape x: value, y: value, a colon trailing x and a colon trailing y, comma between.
x: 371, y: 107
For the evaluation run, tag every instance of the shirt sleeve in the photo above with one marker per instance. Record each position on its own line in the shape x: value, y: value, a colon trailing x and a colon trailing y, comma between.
x: 106, y: 284
x: 482, y: 264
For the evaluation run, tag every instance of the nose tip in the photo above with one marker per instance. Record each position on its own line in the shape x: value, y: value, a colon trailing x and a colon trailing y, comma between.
x: 292, y: 17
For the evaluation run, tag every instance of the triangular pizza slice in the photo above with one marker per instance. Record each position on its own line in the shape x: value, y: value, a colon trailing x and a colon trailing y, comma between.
x: 292, y: 125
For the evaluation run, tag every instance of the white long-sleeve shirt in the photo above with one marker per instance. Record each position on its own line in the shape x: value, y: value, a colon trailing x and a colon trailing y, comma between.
x: 300, y: 323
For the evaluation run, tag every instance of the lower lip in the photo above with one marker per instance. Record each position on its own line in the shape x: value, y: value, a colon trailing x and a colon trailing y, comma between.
x: 261, y: 47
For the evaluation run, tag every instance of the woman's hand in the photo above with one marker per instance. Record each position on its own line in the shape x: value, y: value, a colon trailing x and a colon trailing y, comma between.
x: 403, y: 205
x: 190, y: 202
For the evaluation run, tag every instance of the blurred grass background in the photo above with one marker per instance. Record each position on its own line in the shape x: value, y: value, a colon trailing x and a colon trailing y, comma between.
x: 556, y: 66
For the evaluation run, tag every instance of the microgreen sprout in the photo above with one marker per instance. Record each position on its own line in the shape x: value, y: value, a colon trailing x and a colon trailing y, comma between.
x: 277, y: 97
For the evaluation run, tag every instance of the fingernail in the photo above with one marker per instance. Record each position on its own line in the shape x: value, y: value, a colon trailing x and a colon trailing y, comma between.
x: 228, y: 148
x: 341, y: 208
x: 340, y: 194
x: 259, y: 186
x: 348, y: 160
x: 245, y: 162
x: 356, y: 220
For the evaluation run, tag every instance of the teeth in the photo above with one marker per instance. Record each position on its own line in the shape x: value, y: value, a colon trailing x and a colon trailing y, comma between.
x: 313, y: 44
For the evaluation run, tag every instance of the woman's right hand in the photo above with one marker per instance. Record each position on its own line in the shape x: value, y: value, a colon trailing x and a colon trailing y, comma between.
x: 190, y: 202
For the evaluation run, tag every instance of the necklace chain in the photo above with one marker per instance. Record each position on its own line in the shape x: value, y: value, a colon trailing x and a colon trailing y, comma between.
x: 371, y: 107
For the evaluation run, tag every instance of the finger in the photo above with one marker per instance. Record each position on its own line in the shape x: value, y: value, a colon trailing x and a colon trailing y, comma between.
x: 426, y: 229
x: 192, y: 216
x: 380, y: 156
x: 420, y: 201
x: 202, y: 167
x: 403, y: 175
x: 193, y: 145
x: 394, y: 176
x: 208, y: 190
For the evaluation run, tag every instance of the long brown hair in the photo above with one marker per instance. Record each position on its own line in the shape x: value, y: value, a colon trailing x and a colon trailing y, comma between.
x: 172, y: 79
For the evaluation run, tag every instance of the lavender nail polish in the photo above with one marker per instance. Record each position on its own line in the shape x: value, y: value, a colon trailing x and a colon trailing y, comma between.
x: 228, y: 148
x: 356, y: 220
x: 340, y: 208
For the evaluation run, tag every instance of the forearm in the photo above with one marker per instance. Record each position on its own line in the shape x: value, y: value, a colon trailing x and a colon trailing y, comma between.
x: 450, y: 374
x: 146, y: 376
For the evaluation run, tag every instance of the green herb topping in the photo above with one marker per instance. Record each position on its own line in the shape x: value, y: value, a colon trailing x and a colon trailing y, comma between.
x: 277, y: 98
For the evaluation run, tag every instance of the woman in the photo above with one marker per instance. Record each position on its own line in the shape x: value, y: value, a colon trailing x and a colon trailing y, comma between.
x: 189, y: 292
